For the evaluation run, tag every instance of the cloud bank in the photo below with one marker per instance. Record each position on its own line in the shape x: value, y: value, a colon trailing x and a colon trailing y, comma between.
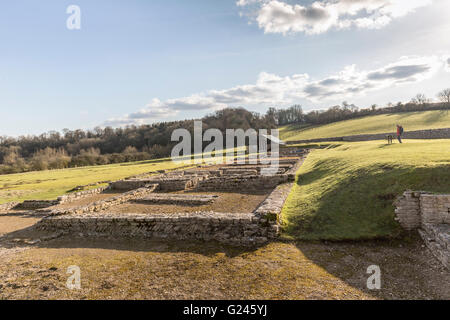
x: 271, y: 89
x: 276, y: 16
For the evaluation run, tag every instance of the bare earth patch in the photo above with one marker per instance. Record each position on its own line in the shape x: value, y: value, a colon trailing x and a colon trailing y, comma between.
x: 227, y: 202
x: 133, y: 269
x: 15, y: 222
x: 86, y: 201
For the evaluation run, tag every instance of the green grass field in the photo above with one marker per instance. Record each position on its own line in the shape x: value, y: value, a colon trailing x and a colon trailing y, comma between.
x: 373, y: 124
x: 346, y: 190
x: 45, y: 185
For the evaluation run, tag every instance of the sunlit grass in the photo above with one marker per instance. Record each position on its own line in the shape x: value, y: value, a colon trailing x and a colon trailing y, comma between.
x: 43, y: 185
x: 347, y: 190
x: 411, y: 121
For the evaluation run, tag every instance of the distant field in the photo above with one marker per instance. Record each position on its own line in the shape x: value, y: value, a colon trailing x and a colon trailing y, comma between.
x: 373, y: 124
x: 346, y: 190
x: 47, y: 185
x: 44, y: 185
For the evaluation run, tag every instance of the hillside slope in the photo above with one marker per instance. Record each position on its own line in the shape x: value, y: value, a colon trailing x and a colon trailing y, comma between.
x: 346, y: 191
x: 411, y: 121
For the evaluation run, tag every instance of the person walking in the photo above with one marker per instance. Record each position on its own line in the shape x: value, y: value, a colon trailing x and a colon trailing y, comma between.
x: 399, y: 133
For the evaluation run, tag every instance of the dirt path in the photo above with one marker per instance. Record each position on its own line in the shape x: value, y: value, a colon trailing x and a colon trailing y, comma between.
x: 125, y: 269
x: 15, y: 221
x: 148, y: 269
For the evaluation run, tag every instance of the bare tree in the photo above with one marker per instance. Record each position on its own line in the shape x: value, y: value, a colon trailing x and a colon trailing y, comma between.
x: 420, y: 98
x: 444, y: 95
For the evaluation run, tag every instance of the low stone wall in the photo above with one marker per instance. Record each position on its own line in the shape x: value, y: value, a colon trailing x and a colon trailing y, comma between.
x: 260, y: 163
x: 36, y: 204
x: 435, y: 209
x: 80, y: 195
x: 292, y: 172
x: 437, y: 239
x: 430, y: 214
x: 206, y: 173
x: 177, y: 199
x: 8, y: 206
x: 106, y: 203
x: 415, y: 208
x: 81, y: 188
x: 240, y: 229
x: 419, y: 134
x: 239, y: 172
x: 408, y: 210
x: 281, y: 168
x: 127, y: 185
x: 247, y: 183
x: 203, y: 173
x: 167, y: 184
x: 272, y: 206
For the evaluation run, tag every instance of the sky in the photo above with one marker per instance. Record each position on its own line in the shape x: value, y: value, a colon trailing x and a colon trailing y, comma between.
x: 146, y: 61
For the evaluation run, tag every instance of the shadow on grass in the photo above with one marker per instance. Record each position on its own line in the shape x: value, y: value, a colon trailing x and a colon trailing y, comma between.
x: 434, y: 117
x: 359, y: 207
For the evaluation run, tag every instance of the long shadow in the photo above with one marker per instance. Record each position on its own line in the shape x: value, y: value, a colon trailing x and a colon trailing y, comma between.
x: 354, y: 228
x: 361, y: 206
x: 70, y: 241
x: 206, y: 248
x: 408, y: 270
x: 316, y: 173
x: 434, y: 117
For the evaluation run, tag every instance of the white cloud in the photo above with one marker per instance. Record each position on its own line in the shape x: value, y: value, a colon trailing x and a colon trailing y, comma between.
x: 271, y: 89
x: 447, y: 63
x: 276, y: 16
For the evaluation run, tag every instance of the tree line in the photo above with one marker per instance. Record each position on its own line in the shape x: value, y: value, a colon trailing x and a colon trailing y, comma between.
x: 346, y: 111
x: 77, y: 148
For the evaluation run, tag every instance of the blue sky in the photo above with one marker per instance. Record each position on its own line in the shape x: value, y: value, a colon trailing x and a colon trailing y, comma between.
x: 141, y: 61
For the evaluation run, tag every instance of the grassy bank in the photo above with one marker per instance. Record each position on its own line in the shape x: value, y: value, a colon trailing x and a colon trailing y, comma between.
x: 411, y: 121
x: 43, y: 185
x: 346, y: 190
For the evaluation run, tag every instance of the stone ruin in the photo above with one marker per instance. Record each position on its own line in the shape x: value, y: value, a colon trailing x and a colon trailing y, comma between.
x: 430, y: 215
x: 174, y: 188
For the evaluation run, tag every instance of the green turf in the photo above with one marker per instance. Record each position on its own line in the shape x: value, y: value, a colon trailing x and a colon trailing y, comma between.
x: 346, y: 190
x: 47, y: 185
x: 44, y: 185
x: 373, y: 124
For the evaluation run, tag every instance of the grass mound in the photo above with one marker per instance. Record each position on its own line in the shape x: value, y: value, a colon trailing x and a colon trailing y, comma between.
x: 385, y: 123
x: 345, y: 191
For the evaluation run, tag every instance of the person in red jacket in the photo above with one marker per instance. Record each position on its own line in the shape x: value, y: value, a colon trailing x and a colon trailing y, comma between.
x: 399, y: 133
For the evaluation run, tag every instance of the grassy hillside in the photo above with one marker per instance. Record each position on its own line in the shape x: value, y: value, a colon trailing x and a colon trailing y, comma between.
x: 43, y: 185
x: 346, y: 190
x: 374, y: 124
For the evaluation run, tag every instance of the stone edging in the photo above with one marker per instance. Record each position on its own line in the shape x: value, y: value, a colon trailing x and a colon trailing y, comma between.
x: 80, y: 195
x: 430, y: 214
x: 106, y: 203
x: 273, y: 205
x: 230, y: 228
x: 419, y: 134
x: 8, y: 206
